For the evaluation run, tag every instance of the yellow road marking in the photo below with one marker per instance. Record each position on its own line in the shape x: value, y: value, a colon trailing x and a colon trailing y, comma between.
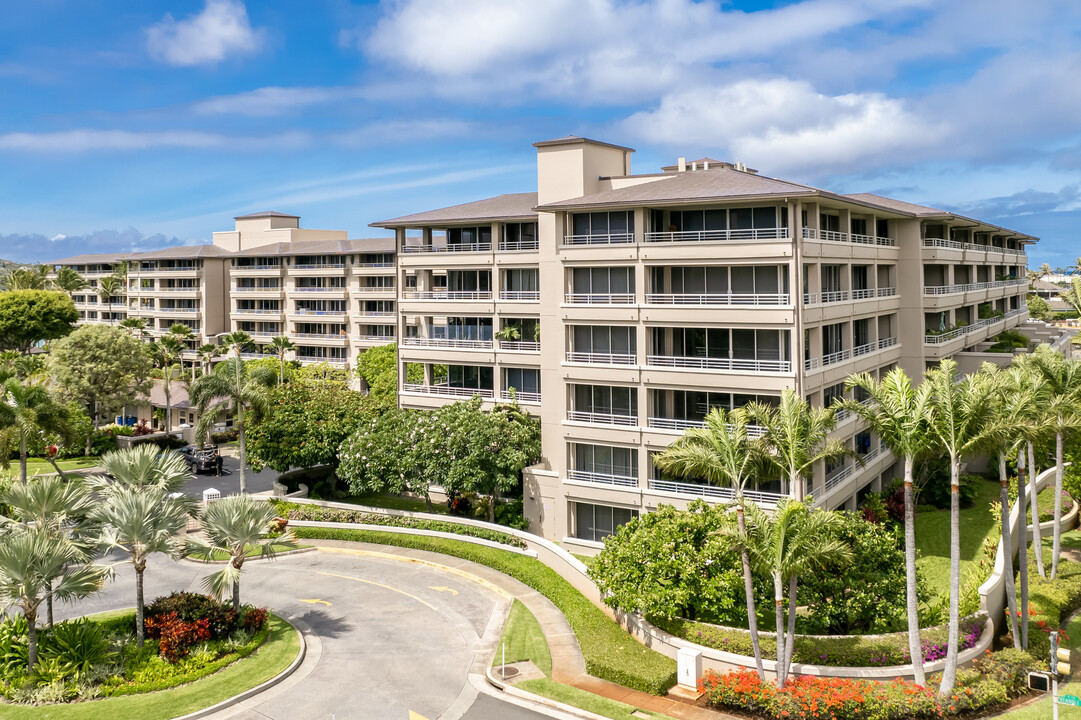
x: 313, y: 601
x: 416, y: 716
x: 405, y: 558
x: 442, y: 588
x: 385, y: 587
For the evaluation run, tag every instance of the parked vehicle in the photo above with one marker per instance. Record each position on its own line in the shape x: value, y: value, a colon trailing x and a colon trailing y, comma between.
x: 200, y: 459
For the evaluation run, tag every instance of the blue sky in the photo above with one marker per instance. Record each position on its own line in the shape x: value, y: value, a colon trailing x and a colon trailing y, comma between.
x: 142, y: 123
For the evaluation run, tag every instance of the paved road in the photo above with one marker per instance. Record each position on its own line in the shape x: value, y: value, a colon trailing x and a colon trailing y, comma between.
x: 396, y: 637
x: 229, y: 483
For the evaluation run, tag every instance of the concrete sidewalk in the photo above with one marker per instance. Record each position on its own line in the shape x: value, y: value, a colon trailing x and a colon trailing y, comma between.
x: 568, y: 665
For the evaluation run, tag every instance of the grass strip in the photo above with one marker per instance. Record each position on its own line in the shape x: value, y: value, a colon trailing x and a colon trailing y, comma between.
x: 523, y: 639
x: 252, y: 551
x: 609, y: 652
x: 583, y: 700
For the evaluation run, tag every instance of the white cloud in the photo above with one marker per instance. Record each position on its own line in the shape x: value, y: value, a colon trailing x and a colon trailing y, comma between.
x: 267, y: 101
x: 786, y: 126
x: 221, y: 29
x: 399, y: 131
x: 69, y: 141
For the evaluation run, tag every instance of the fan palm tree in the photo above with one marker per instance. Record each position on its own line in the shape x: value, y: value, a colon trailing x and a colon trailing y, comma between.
x: 141, y: 467
x: 33, y: 560
x: 900, y: 415
x: 26, y: 409
x: 236, y: 526
x: 279, y: 346
x: 795, y: 437
x: 68, y: 280
x: 136, y: 325
x: 237, y: 342
x: 141, y: 521
x: 962, y: 418
x: 233, y: 387
x: 722, y: 454
x: 786, y: 544
x: 109, y: 286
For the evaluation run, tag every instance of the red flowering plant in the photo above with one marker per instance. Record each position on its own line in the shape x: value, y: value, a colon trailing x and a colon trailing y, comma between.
x: 176, y: 636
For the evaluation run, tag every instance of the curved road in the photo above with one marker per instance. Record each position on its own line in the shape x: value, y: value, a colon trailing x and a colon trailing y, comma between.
x: 398, y: 639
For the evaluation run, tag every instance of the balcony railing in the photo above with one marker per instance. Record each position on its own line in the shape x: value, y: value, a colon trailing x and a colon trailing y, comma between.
x: 955, y: 245
x: 864, y: 293
x: 447, y: 343
x: 945, y: 337
x: 520, y: 345
x: 373, y: 338
x: 318, y: 266
x: 338, y: 290
x: 177, y: 310
x: 969, y: 287
x: 602, y: 418
x: 376, y: 313
x: 596, y: 478
x: 319, y: 336
x: 942, y: 243
x: 887, y: 291
x: 888, y: 342
x: 454, y: 247
x: 610, y: 239
x: 446, y: 295
x: 275, y: 289
x: 602, y: 358
x: 244, y: 268
x: 600, y: 298
x: 520, y: 396
x: 524, y: 295
x: 708, y: 363
x: 375, y: 289
x: 714, y: 493
x: 742, y: 299
x: 374, y: 265
x: 253, y: 311
x: 447, y: 390
x: 326, y: 313
x: 336, y: 362
x: 835, y: 236
x: 518, y: 245
x: 718, y: 235
x: 836, y: 357
x: 680, y: 425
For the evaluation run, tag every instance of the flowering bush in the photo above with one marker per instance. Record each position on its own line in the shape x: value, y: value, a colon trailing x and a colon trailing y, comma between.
x: 176, y: 636
x: 254, y: 620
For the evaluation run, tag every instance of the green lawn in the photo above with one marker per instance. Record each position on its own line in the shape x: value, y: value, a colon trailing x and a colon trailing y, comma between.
x: 933, y: 538
x: 395, y: 502
x: 1042, y: 709
x: 280, y: 648
x: 35, y: 466
x: 220, y: 556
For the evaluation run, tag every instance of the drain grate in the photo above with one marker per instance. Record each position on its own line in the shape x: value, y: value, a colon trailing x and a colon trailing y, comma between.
x: 507, y: 672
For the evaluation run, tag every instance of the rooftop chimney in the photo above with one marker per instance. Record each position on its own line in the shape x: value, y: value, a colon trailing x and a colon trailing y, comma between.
x: 683, y: 164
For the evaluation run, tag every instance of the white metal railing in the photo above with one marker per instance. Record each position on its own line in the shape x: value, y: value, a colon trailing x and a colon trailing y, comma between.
x: 836, y: 357
x: 864, y: 293
x: 528, y: 295
x: 446, y: 295
x: 319, y: 336
x: 709, y: 363
x: 447, y: 343
x: 810, y: 298
x: 177, y: 310
x: 602, y: 478
x: 1018, y: 311
x: 941, y: 243
x: 254, y: 311
x: 338, y: 362
x: 835, y: 236
x: 602, y: 358
x: 609, y: 239
x: 811, y: 363
x: 518, y: 245
x: 520, y: 345
x: 717, y: 493
x: 375, y: 289
x: 866, y: 348
x: 887, y: 292
x: 680, y: 425
x: 943, y: 337
x: 520, y: 396
x: 864, y: 239
x: 319, y: 289
x: 600, y: 298
x: 377, y: 313
x: 884, y: 343
x: 262, y: 333
x: 243, y: 268
x: 602, y: 418
x: 750, y: 299
x: 717, y: 235
x: 447, y: 390
x: 968, y: 287
x: 831, y: 296
x: 302, y: 311
x: 374, y: 265
x: 839, y: 476
x: 376, y: 338
x: 453, y: 247
x: 275, y: 289
x: 318, y: 266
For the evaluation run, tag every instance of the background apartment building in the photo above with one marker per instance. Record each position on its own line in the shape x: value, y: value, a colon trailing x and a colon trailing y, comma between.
x: 332, y: 296
x: 634, y: 303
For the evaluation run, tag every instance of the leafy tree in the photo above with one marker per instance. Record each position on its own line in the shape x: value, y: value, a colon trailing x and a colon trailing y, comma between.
x: 280, y: 346
x: 1039, y: 308
x: 394, y: 452
x: 26, y: 411
x: 379, y: 368
x: 237, y: 526
x: 101, y: 367
x: 672, y: 563
x: 31, y: 316
x: 68, y: 280
x: 232, y: 388
x: 900, y: 416
x: 165, y: 353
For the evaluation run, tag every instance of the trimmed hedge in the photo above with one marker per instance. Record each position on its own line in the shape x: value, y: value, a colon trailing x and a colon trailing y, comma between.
x: 1050, y: 602
x: 610, y: 653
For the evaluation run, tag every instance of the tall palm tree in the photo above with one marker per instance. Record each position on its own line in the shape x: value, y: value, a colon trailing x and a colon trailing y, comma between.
x: 143, y: 468
x: 237, y: 342
x: 280, y: 346
x: 722, y: 454
x: 1074, y: 269
x: 962, y: 418
x: 236, y: 526
x: 786, y: 544
x: 141, y: 522
x: 207, y: 353
x: 795, y: 437
x: 68, y: 280
x: 165, y: 352
x: 108, y: 287
x: 1045, y: 270
x: 237, y: 387
x: 28, y: 278
x: 33, y: 560
x: 1072, y: 296
x: 899, y: 415
x: 26, y: 409
x: 136, y: 325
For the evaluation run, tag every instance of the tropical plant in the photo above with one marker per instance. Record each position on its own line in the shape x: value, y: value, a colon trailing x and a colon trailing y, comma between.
x: 68, y: 280
x: 237, y: 526
x: 1038, y: 308
x: 141, y: 467
x: 279, y: 346
x: 509, y: 332
x: 234, y: 388
x: 28, y: 317
x: 960, y: 422
x: 28, y: 278
x: 26, y: 409
x: 900, y: 415
x: 722, y: 454
x: 136, y: 325
x: 1072, y: 296
x: 108, y: 287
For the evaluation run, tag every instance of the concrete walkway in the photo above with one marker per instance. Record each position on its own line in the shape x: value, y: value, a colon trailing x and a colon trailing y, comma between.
x: 568, y: 665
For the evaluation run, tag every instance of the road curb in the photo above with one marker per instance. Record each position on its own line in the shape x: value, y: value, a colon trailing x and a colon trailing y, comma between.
x: 302, y: 628
x: 284, y: 553
x: 513, y: 691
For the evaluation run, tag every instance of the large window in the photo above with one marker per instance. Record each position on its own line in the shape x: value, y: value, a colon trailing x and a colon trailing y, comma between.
x: 606, y: 460
x: 604, y: 223
x: 523, y: 380
x: 606, y: 400
x: 521, y: 280
x: 469, y: 235
x: 603, y: 281
x: 469, y: 280
x: 604, y: 339
x: 466, y: 328
x: 520, y: 236
x: 596, y: 522
x: 737, y: 344
x: 470, y: 376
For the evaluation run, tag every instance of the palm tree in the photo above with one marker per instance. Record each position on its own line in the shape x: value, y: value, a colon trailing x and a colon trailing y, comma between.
x: 236, y: 387
x: 28, y: 278
x: 236, y: 342
x: 136, y: 325
x: 795, y: 437
x: 35, y: 563
x: 1044, y: 270
x: 279, y: 346
x: 722, y: 454
x: 141, y: 521
x: 899, y: 415
x: 1074, y: 269
x: 109, y: 286
x: 27, y: 409
x: 141, y: 467
x: 236, y: 526
x: 787, y: 544
x: 68, y: 280
x: 165, y: 352
x: 207, y: 353
x: 963, y: 411
x: 1072, y: 296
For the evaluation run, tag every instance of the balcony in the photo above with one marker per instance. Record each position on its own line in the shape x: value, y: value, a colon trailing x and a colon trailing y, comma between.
x: 253, y: 311
x: 447, y: 391
x: 680, y: 424
x: 319, y: 336
x: 320, y: 313
x: 248, y: 269
x: 174, y: 310
x: 531, y: 346
x: 447, y: 343
x: 947, y: 336
x: 834, y: 236
x: 511, y: 246
x: 969, y: 287
x: 374, y: 265
x: 275, y: 289
x: 457, y: 247
x: 740, y: 299
x: 835, y: 479
x: 718, y: 235
x: 520, y: 295
x: 446, y: 295
x: 595, y: 418
x: 599, y: 298
x: 714, y: 493
x: 532, y: 398
x: 955, y: 245
x: 729, y: 364
x: 373, y: 338
x: 610, y: 239
x: 319, y: 266
x: 830, y: 296
x: 595, y: 478
x: 377, y: 313
x: 335, y: 290
x: 333, y: 362
x: 601, y: 358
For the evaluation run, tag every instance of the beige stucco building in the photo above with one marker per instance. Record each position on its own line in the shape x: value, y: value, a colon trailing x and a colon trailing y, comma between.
x: 632, y: 303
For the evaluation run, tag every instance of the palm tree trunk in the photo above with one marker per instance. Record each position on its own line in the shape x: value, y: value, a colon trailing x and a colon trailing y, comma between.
x: 1007, y: 548
x: 49, y: 601
x: 168, y: 406
x: 949, y: 672
x: 93, y: 426
x: 748, y: 588
x: 915, y: 647
x: 236, y: 595
x: 790, y: 641
x: 281, y: 369
x: 243, y: 450
x: 32, y: 640
x: 1022, y: 553
x: 1056, y: 541
x: 1034, y: 503
x: 778, y: 610
x: 140, y: 631
x: 22, y: 456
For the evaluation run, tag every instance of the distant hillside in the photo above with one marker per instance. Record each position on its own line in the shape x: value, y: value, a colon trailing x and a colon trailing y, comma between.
x: 6, y: 265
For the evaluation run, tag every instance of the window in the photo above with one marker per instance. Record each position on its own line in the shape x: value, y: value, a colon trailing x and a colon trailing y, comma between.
x: 521, y: 280
x: 832, y: 394
x: 859, y: 226
x: 605, y: 460
x: 526, y: 380
x: 832, y: 338
x: 604, y: 223
x: 604, y: 339
x: 752, y: 218
x: 596, y: 522
x: 469, y: 280
x: 697, y: 220
x: 606, y: 400
x: 603, y: 281
x: 470, y: 235
x: 470, y: 376
x: 830, y: 223
x: 831, y: 278
x: 469, y: 328
x: 520, y: 235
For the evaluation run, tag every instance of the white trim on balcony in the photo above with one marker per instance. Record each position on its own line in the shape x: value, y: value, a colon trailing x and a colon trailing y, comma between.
x: 708, y: 363
x: 835, y: 236
x: 679, y: 425
x: 610, y: 239
x: 520, y: 295
x: 741, y: 299
x: 513, y: 246
x: 713, y: 492
x: 454, y: 247
x: 447, y: 343
x: 530, y: 398
x: 599, y: 298
x: 595, y: 478
x: 446, y: 295
x: 520, y: 345
x: 939, y: 339
x: 602, y: 358
x: 602, y: 418
x: 447, y: 390
x: 779, y: 233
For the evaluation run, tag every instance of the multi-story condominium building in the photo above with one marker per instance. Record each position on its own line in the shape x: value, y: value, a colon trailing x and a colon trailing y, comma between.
x: 332, y: 296
x: 634, y: 303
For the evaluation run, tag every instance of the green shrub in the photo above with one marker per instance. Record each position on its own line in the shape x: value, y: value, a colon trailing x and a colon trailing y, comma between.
x: 225, y: 436
x: 610, y: 653
x: 77, y: 646
x: 1050, y: 602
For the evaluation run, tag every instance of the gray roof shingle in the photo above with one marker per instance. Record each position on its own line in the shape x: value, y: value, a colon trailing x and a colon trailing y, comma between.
x: 515, y: 206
